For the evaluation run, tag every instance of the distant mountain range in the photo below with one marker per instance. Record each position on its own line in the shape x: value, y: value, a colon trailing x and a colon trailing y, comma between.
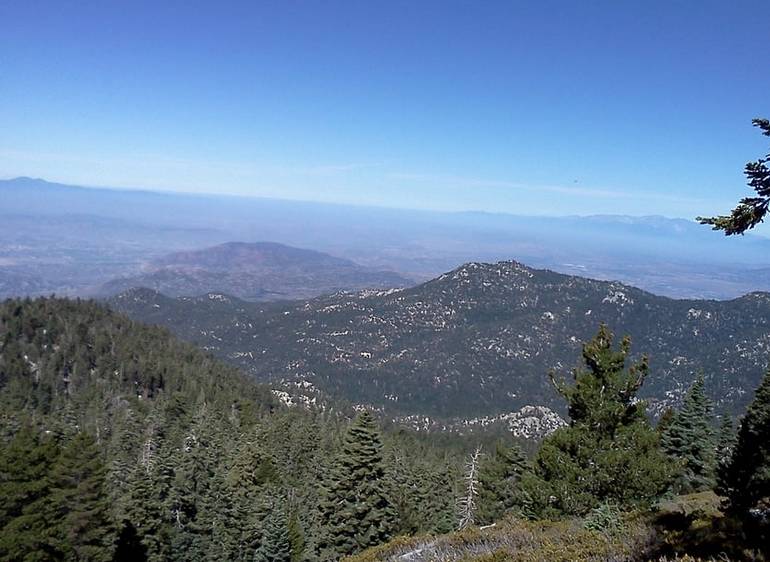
x: 71, y: 240
x: 255, y: 271
x: 474, y: 343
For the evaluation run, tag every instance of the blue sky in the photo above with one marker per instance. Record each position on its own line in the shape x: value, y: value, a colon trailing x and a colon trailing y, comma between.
x: 526, y: 107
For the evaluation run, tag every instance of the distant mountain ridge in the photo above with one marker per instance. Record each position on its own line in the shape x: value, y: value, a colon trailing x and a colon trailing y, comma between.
x: 477, y: 341
x: 45, y: 226
x: 62, y: 236
x: 255, y: 271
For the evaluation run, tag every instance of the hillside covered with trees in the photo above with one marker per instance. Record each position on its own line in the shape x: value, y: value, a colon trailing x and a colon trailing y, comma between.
x: 121, y: 443
x: 473, y: 342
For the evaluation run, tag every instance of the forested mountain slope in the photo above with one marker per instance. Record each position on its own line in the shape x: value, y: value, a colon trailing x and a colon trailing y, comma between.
x: 477, y: 341
x: 117, y: 441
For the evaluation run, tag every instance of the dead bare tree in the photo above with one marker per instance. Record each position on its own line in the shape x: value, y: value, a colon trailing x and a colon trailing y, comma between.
x: 467, y: 503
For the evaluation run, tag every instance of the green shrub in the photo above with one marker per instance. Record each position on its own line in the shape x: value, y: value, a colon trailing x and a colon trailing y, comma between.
x: 606, y: 519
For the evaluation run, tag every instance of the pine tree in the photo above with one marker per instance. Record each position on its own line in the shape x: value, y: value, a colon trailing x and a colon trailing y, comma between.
x: 690, y: 441
x: 148, y: 492
x: 357, y: 513
x: 275, y: 545
x: 79, y: 500
x: 406, y: 494
x: 237, y: 496
x: 129, y: 547
x: 499, y: 477
x: 437, y: 507
x: 191, y: 498
x: 665, y: 420
x: 24, y: 466
x: 423, y: 491
x: 609, y: 452
x: 26, y: 519
x: 745, y: 479
x: 123, y: 451
x: 726, y: 440
x: 233, y: 514
x: 252, y: 468
x: 296, y: 537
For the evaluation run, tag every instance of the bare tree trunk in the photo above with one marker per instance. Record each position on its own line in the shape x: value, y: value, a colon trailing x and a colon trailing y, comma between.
x: 467, y: 504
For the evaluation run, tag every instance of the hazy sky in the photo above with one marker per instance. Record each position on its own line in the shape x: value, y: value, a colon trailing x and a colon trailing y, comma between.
x: 633, y: 107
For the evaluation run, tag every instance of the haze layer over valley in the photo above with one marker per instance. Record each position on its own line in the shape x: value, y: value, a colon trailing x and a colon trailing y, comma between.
x: 82, y: 241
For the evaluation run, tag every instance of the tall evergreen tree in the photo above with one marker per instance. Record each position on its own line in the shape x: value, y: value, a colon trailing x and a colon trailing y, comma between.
x: 665, y: 420
x: 129, y: 547
x: 609, y: 451
x: 420, y: 486
x: 25, y: 485
x: 726, y: 439
x: 191, y: 499
x: 234, y: 524
x: 356, y: 512
x: 123, y: 451
x: 499, y: 476
x: 275, y: 544
x: 296, y: 537
x: 24, y: 466
x: 405, y: 496
x: 745, y: 479
x: 690, y: 441
x: 146, y: 505
x: 80, y: 502
x: 236, y: 501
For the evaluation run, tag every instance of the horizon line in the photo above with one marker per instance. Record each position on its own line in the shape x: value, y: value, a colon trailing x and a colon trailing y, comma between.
x: 172, y: 192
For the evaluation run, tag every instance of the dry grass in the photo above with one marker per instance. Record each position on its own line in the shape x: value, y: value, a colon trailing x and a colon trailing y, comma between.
x: 687, y: 529
x: 518, y: 541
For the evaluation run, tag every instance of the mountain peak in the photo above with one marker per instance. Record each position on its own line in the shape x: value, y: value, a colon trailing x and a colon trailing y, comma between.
x: 480, y: 269
x: 480, y: 340
x: 486, y: 278
x: 26, y: 181
x: 247, y: 255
